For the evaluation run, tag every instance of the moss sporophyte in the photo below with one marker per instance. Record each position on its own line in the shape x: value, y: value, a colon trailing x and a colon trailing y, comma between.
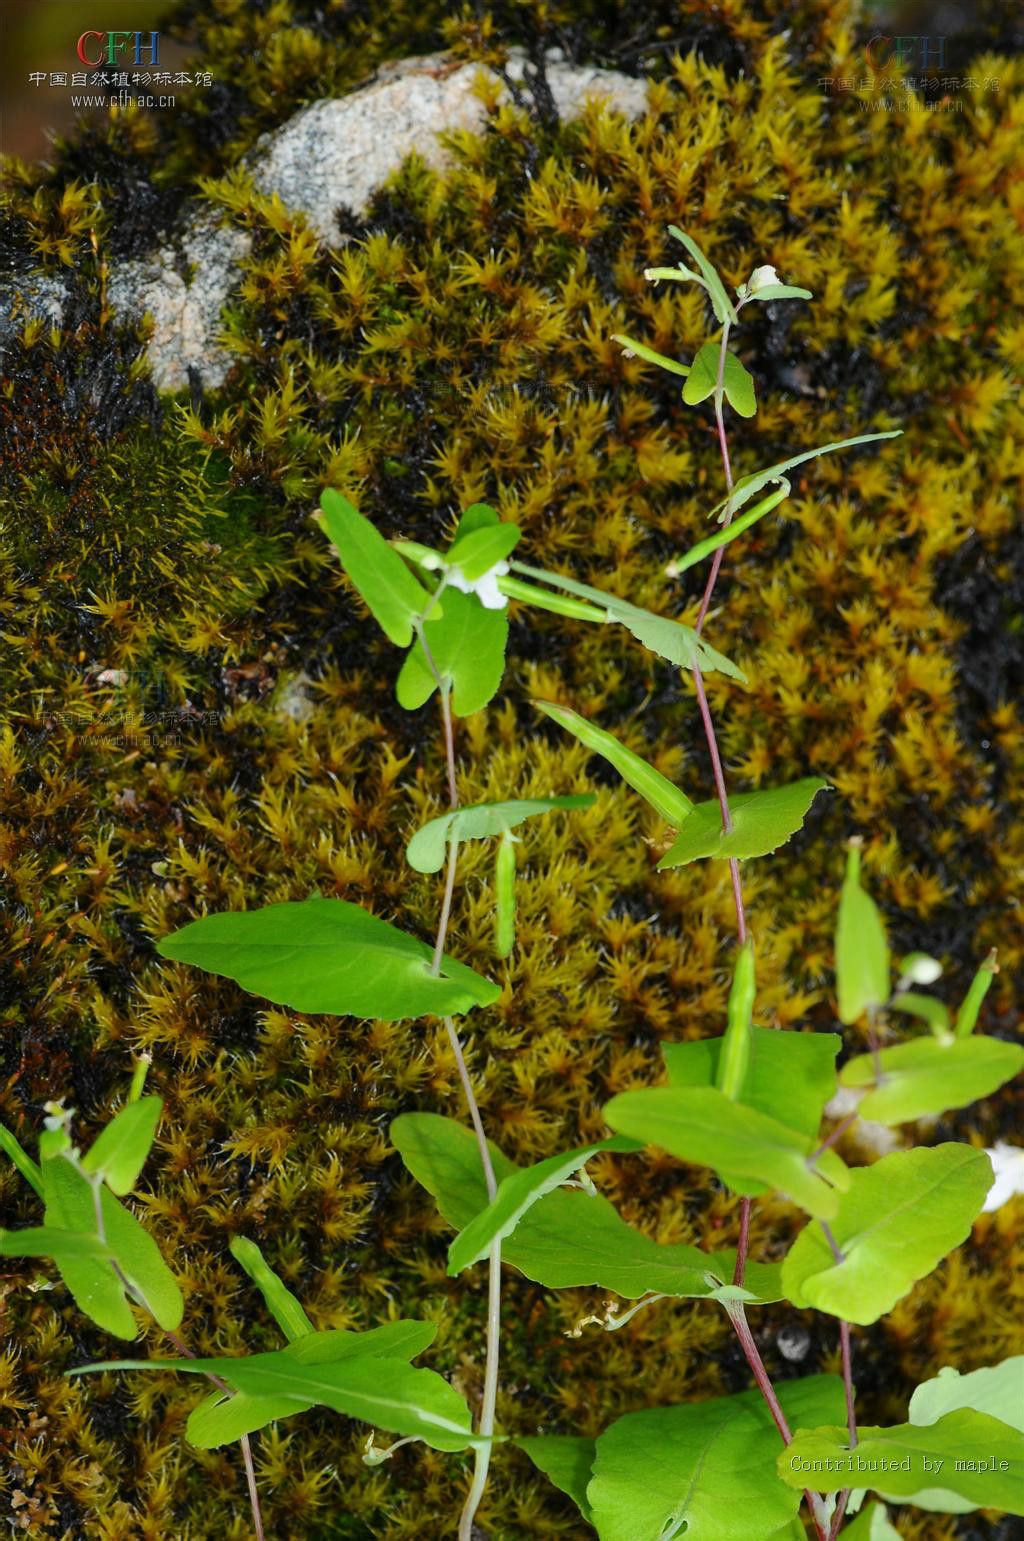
x: 748, y: 1104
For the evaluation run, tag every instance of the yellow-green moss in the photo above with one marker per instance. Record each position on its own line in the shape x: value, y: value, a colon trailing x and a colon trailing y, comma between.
x: 159, y: 559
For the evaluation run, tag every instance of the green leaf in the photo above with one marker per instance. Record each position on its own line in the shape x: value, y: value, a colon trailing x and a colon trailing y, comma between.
x: 566, y: 1460
x: 281, y: 1303
x: 928, y: 1076
x: 720, y: 301
x: 326, y: 955
x: 862, y: 952
x: 389, y: 590
x: 699, y: 1125
x: 777, y: 292
x: 995, y: 1390
x: 22, y: 1160
x: 706, y: 1468
x: 790, y: 1077
x: 426, y: 850
x: 49, y: 1241
x: 569, y: 1238
x: 467, y: 645
x: 119, y: 1152
x: 641, y: 350
x: 402, y: 1339
x: 558, y: 604
x: 478, y: 516
x: 746, y: 486
x: 386, y: 1392
x: 737, y: 382
x: 96, y: 1288
x: 970, y: 1453
x: 926, y: 1008
x: 663, y: 796
x: 478, y: 551
x: 516, y: 1195
x: 669, y: 639
x: 762, y: 821
x: 739, y: 526
x: 896, y: 1220
x: 222, y: 1417
x: 872, y: 1524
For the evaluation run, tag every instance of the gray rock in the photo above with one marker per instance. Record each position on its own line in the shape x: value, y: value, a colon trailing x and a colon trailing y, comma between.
x: 340, y: 152
x: 185, y: 313
x: 330, y: 154
x: 36, y: 296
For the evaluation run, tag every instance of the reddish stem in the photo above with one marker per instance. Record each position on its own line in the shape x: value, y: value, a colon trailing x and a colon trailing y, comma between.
x: 736, y: 1313
x: 741, y: 1246
x: 738, y: 1317
x: 851, y: 1417
x: 837, y: 1133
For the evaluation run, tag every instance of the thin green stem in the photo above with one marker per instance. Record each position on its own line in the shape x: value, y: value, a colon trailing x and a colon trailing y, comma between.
x: 250, y: 1477
x: 250, y: 1470
x: 446, y: 906
x: 474, y: 1110
x: 490, y: 1395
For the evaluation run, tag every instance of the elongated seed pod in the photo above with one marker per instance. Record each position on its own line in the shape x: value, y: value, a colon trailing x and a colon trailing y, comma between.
x: 139, y: 1073
x: 559, y: 604
x: 742, y: 522
x: 967, y: 1016
x: 505, y: 896
x: 735, y: 1055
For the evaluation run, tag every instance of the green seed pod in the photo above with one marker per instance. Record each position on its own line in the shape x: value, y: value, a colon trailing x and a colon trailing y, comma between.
x: 735, y: 1055
x: 967, y: 1016
x: 505, y: 896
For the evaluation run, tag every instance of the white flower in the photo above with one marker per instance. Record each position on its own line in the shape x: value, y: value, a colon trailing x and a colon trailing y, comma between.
x: 760, y: 278
x: 485, y: 587
x: 1008, y: 1165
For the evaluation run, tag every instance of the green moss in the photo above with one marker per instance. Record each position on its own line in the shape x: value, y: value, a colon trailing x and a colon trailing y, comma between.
x: 159, y: 559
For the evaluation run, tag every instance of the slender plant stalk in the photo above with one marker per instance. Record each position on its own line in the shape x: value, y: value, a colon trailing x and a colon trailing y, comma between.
x: 250, y: 1477
x: 493, y: 1337
x: 738, y: 1316
x: 736, y: 1313
x: 851, y: 1417
x: 250, y: 1470
x: 837, y: 1133
x: 851, y: 1423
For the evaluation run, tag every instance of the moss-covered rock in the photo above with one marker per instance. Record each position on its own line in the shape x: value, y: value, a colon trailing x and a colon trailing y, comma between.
x: 169, y: 612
